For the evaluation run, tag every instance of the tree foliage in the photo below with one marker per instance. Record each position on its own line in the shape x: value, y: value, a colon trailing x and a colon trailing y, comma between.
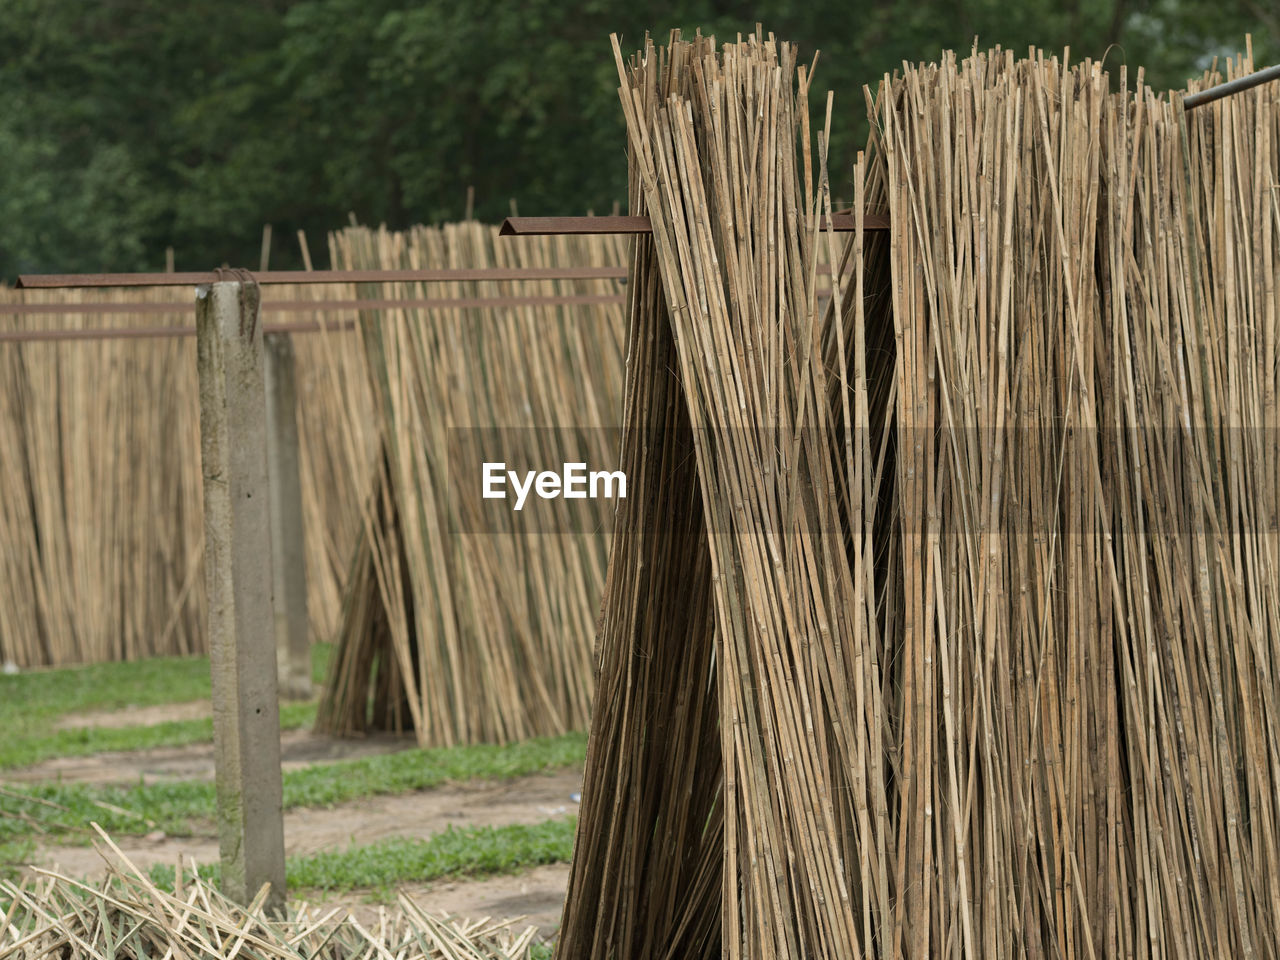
x: 132, y: 125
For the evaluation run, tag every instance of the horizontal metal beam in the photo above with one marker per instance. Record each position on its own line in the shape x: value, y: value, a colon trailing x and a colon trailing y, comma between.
x: 95, y: 307
x: 1248, y: 82
x: 312, y: 306
x: 287, y: 306
x: 572, y: 226
x: 156, y: 333
x: 49, y: 281
x: 295, y: 306
x: 555, y: 226
x: 100, y: 333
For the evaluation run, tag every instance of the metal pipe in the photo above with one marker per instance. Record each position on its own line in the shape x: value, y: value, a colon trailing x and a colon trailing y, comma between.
x: 50, y: 281
x: 157, y: 333
x: 119, y: 333
x: 1248, y: 82
x: 297, y: 326
x: 314, y: 306
x: 550, y: 226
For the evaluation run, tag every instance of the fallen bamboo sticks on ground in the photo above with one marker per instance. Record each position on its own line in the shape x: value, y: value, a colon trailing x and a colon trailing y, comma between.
x: 968, y: 647
x: 128, y: 916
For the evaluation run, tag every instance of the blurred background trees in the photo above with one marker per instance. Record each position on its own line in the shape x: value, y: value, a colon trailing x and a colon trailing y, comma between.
x: 132, y: 125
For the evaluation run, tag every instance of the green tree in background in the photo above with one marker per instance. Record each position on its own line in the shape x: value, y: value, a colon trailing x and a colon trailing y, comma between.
x: 131, y: 125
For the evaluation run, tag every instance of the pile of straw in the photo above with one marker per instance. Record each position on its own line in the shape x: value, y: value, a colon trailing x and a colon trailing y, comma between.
x: 463, y: 619
x: 101, y: 523
x: 963, y: 640
x: 127, y: 916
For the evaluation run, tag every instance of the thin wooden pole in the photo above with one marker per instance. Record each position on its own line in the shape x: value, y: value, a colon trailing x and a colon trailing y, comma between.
x: 306, y: 250
x: 264, y: 255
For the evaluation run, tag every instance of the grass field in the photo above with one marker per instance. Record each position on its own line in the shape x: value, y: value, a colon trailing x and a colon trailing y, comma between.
x: 455, y: 852
x: 32, y: 703
x: 51, y: 813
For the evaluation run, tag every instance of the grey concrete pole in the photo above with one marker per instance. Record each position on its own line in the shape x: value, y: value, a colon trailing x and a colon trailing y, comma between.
x: 242, y: 650
x: 288, y: 559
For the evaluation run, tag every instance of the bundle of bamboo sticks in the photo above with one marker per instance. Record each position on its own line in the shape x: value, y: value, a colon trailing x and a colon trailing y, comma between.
x: 101, y: 524
x: 464, y: 619
x: 100, y: 555
x: 727, y: 325
x: 1085, y: 308
x: 968, y: 644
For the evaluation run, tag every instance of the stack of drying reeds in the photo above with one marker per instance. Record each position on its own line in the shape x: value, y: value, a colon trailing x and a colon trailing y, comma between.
x: 337, y: 450
x: 101, y: 524
x: 464, y: 619
x: 688, y: 828
x: 1085, y: 303
x: 968, y: 645
x: 100, y: 513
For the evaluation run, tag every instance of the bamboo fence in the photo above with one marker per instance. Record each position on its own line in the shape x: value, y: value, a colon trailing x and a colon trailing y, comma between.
x: 462, y: 621
x: 970, y: 645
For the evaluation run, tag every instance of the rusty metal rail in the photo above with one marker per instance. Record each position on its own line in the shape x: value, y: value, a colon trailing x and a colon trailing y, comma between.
x: 54, y: 281
x: 156, y: 333
x: 512, y: 226
x: 284, y: 306
x: 557, y: 226
x: 312, y: 306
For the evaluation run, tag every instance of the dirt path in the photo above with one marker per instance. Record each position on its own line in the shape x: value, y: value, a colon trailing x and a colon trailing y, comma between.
x: 136, y: 716
x: 537, y: 893
x: 298, y: 748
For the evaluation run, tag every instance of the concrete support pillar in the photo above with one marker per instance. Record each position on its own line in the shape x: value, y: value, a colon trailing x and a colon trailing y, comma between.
x: 242, y: 649
x: 289, y: 568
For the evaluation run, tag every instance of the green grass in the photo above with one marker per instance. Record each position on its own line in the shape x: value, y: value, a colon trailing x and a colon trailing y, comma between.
x: 335, y: 783
x: 457, y: 852
x: 63, y: 811
x: 32, y: 703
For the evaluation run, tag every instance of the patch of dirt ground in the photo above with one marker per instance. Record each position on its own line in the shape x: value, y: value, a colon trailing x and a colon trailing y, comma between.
x: 525, y: 800
x: 298, y: 748
x: 136, y: 716
x: 537, y: 893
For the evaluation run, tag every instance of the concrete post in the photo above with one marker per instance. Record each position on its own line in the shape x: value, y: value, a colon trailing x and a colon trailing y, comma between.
x: 242, y: 650
x: 288, y: 557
